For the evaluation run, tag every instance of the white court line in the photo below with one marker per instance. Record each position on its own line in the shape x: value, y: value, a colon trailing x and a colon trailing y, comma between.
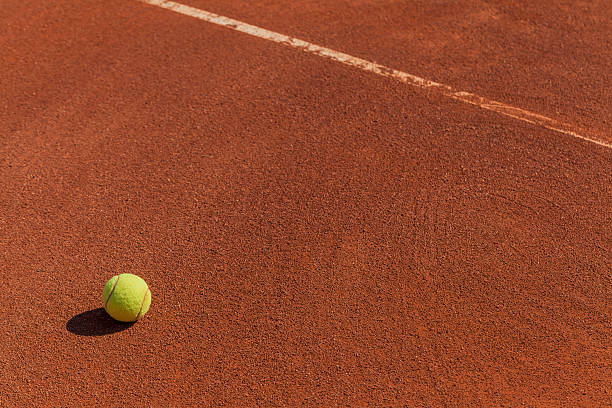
x: 467, y: 97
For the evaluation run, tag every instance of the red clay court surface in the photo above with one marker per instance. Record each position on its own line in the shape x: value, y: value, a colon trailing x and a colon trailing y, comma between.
x: 313, y: 235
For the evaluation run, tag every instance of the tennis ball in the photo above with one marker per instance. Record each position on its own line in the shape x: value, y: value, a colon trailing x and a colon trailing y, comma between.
x: 126, y: 297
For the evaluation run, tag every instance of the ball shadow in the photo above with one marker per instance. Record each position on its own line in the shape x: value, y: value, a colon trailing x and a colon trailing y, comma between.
x: 95, y: 322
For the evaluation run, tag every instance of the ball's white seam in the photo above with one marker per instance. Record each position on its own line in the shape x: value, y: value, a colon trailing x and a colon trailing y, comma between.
x: 142, y: 303
x: 112, y: 291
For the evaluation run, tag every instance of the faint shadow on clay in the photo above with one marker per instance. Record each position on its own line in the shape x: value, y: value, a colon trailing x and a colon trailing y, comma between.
x: 95, y: 322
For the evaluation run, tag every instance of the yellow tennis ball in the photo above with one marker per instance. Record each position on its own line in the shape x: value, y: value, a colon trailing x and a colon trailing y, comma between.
x: 126, y: 297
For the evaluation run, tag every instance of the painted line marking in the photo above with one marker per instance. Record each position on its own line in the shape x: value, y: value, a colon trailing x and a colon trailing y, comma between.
x: 416, y: 81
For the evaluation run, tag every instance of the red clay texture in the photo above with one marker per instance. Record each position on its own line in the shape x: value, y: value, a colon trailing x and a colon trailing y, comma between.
x: 553, y: 58
x: 312, y: 235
